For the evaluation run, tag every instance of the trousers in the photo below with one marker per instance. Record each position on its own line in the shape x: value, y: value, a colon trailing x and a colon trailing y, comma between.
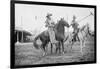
x: 52, y: 35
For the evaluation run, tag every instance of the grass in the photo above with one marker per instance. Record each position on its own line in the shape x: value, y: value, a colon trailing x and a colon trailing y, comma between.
x: 26, y: 54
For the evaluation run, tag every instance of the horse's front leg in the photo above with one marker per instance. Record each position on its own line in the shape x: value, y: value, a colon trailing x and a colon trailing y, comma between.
x: 62, y: 47
x: 71, y: 47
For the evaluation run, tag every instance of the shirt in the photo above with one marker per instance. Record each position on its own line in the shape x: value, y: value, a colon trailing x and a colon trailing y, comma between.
x: 49, y: 23
x: 75, y: 25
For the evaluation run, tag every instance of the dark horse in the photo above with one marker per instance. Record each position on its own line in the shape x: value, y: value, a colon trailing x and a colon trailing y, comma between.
x: 59, y: 35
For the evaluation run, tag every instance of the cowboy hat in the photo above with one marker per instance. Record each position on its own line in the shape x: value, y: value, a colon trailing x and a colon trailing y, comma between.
x: 49, y: 14
x: 74, y: 17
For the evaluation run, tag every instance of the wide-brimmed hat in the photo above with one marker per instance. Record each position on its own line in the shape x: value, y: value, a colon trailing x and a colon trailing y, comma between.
x: 49, y: 14
x: 74, y: 17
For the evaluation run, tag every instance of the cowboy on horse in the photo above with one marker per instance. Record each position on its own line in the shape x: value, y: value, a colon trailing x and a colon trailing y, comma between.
x: 50, y: 24
x: 75, y: 27
x: 56, y: 37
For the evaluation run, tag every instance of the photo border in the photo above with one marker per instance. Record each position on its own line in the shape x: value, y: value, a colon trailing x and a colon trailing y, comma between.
x: 12, y: 27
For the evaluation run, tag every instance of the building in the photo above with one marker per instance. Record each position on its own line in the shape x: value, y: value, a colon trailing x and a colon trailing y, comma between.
x: 21, y: 35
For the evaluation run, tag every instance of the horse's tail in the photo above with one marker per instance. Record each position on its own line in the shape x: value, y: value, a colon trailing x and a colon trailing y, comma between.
x: 35, y: 43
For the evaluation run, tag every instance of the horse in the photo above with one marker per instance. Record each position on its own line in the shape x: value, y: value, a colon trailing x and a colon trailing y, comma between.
x: 81, y: 36
x: 59, y: 36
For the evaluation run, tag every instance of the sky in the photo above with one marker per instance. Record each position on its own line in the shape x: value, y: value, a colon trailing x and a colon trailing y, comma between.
x: 32, y: 17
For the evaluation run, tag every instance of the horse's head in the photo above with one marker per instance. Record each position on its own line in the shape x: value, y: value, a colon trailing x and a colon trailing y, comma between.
x: 86, y: 29
x: 63, y: 22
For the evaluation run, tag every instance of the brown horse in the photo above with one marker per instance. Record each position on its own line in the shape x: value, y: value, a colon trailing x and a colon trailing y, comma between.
x: 59, y: 35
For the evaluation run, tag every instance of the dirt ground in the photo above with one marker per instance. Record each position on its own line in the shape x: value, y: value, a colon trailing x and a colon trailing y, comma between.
x: 26, y: 54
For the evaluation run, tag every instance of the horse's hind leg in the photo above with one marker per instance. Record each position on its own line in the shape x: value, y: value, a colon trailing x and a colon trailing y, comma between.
x: 83, y: 43
x: 62, y: 47
x: 44, y: 49
x: 58, y: 47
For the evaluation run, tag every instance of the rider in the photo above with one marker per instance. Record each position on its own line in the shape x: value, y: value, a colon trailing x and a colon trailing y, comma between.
x: 75, y: 27
x: 50, y: 24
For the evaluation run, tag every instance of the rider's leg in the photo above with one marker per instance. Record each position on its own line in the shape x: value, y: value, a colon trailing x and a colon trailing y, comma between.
x: 52, y: 36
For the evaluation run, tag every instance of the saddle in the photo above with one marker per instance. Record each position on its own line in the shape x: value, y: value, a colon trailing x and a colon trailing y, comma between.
x: 46, y: 32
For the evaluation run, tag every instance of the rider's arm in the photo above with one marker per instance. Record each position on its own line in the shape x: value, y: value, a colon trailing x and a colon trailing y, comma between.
x: 46, y: 23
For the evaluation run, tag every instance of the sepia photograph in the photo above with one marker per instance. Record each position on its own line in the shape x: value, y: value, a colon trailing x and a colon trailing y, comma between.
x: 53, y: 34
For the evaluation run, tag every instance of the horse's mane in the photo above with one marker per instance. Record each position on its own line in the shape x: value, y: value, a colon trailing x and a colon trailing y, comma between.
x: 56, y: 25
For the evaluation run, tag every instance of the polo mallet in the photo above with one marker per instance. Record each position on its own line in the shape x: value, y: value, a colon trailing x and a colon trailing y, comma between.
x: 86, y: 17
